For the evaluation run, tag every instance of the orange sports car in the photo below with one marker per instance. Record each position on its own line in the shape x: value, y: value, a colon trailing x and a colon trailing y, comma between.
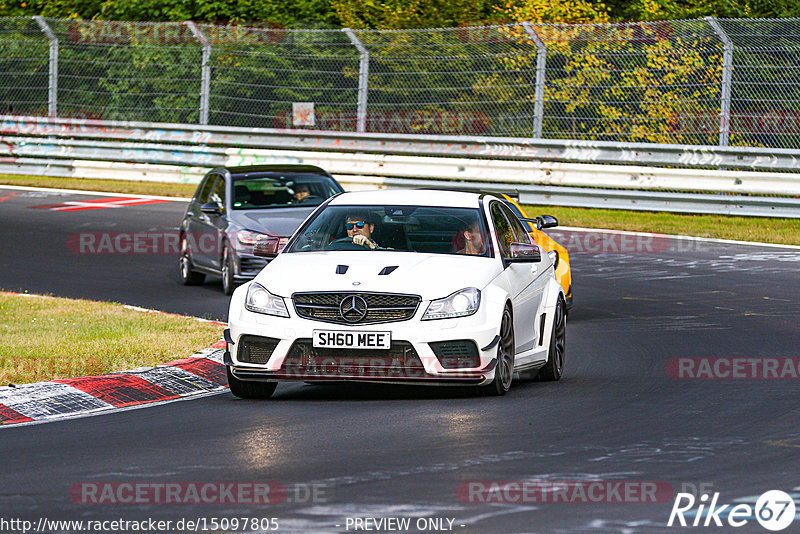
x: 558, y: 252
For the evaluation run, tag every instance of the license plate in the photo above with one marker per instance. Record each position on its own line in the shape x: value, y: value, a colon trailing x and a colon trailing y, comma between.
x: 341, y: 339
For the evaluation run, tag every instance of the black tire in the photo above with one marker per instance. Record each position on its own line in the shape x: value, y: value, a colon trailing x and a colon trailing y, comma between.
x: 504, y: 371
x: 245, y: 389
x: 553, y: 369
x: 189, y: 277
x: 228, y: 270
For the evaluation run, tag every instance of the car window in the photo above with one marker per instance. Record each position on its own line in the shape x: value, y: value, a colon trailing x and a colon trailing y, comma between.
x: 278, y: 190
x: 529, y: 227
x: 204, y: 191
x: 425, y: 229
x: 521, y: 233
x: 218, y: 193
x: 505, y: 234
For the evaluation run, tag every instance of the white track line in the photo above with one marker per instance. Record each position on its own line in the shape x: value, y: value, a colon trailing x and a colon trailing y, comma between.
x: 96, y: 193
x: 677, y: 236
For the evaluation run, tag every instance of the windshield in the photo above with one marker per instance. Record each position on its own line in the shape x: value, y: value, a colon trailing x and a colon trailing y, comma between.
x: 432, y: 230
x: 279, y: 190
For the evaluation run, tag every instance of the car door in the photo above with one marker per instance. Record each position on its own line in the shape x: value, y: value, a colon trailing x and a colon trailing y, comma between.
x: 209, y: 228
x: 524, y: 279
x: 192, y: 225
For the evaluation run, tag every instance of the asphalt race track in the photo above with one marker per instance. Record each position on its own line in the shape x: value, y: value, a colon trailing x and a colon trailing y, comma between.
x: 42, y: 253
x: 630, y: 411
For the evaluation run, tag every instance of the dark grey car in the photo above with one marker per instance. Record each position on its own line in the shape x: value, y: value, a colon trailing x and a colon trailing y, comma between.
x: 235, y: 207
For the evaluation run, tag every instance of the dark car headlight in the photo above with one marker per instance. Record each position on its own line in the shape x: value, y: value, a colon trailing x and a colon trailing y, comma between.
x: 246, y: 237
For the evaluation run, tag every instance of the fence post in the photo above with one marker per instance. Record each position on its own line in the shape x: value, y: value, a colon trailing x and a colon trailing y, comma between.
x: 538, y: 97
x: 205, y: 76
x: 363, y: 79
x: 52, y: 97
x: 727, y: 75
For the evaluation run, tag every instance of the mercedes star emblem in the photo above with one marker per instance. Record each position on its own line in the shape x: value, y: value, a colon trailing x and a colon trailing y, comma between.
x: 353, y: 308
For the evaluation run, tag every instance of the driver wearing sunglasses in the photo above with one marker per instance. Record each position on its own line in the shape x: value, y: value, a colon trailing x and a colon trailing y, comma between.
x: 360, y: 230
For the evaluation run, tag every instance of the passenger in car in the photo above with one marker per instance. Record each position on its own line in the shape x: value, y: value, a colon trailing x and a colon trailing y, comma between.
x: 469, y: 240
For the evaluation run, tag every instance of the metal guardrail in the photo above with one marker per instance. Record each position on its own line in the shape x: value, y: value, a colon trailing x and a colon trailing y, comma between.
x: 475, y: 147
x: 566, y: 173
x: 581, y: 197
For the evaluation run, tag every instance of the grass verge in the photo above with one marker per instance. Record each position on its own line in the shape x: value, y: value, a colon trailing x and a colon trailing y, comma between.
x: 767, y: 230
x: 49, y: 337
x: 109, y: 186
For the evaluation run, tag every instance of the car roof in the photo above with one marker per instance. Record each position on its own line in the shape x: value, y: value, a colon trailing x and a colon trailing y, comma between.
x: 413, y: 197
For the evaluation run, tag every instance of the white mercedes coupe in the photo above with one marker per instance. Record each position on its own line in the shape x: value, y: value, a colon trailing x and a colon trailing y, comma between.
x: 397, y: 286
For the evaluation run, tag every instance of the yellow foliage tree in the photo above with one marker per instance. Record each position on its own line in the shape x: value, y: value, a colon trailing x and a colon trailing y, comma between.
x: 556, y: 11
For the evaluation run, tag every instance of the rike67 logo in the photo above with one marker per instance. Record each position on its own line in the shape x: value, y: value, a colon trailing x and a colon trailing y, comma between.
x: 774, y: 510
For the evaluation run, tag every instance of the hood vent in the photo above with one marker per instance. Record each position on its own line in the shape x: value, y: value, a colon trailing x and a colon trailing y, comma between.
x: 341, y: 269
x: 387, y: 270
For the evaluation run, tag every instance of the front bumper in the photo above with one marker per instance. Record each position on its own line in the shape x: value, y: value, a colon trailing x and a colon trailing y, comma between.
x: 413, y: 359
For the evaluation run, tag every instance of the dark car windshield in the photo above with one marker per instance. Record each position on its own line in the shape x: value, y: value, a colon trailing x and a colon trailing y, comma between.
x: 436, y: 230
x: 280, y: 190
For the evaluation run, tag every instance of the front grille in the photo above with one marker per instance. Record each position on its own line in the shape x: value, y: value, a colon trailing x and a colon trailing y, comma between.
x: 381, y: 307
x: 256, y: 349
x: 304, y: 361
x: 460, y: 354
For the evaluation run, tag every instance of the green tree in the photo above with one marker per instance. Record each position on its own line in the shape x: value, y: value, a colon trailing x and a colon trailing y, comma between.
x: 282, y: 12
x: 397, y: 14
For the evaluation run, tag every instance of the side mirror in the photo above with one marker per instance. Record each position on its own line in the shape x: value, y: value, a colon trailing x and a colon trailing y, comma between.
x: 546, y: 221
x: 524, y: 253
x: 211, y: 208
x: 266, y: 247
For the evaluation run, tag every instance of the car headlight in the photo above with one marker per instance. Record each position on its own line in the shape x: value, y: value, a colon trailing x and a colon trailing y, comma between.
x: 459, y: 304
x: 554, y: 256
x: 246, y: 237
x: 260, y: 300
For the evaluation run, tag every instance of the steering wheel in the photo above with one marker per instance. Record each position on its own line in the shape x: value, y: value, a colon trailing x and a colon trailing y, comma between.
x: 343, y: 243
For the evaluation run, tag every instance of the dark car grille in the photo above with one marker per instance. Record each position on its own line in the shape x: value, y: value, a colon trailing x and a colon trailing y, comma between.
x: 251, y: 266
x: 460, y: 354
x: 381, y: 307
x: 256, y: 349
x: 304, y: 361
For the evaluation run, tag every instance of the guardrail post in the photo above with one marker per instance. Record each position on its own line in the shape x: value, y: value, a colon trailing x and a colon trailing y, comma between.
x: 52, y: 97
x: 538, y: 98
x: 363, y: 79
x: 205, y: 76
x: 727, y: 75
